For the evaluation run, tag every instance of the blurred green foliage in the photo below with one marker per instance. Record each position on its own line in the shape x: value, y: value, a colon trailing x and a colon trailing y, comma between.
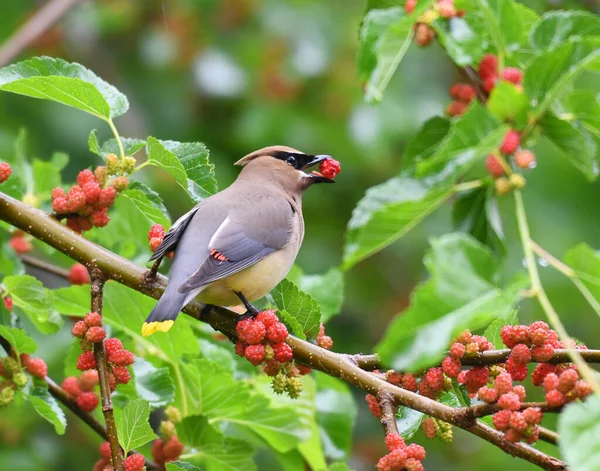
x: 238, y: 75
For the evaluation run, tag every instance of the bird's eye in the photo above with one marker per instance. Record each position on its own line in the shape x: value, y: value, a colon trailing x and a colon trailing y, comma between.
x: 291, y: 160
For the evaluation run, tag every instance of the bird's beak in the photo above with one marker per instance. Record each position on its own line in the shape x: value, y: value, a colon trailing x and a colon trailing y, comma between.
x: 315, y: 176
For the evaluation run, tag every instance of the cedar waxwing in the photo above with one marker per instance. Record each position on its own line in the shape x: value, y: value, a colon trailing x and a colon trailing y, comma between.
x: 238, y: 244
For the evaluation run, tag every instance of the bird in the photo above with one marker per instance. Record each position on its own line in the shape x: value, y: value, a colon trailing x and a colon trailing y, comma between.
x: 239, y: 243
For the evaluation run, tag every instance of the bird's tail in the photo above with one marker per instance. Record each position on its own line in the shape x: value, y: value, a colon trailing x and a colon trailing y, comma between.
x: 164, y: 313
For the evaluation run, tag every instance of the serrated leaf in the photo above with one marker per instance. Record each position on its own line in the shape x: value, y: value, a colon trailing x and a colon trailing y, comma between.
x: 425, y: 142
x: 556, y: 27
x: 215, y: 451
x: 336, y: 415
x: 302, y: 306
x: 133, y: 425
x: 574, y: 142
x: 476, y: 212
x: 492, y: 333
x: 130, y: 145
x: 464, y: 39
x: 408, y: 421
x: 327, y: 289
x: 386, y: 213
x: 18, y: 339
x: 68, y: 83
x: 385, y: 36
x: 509, y: 104
x: 148, y: 202
x: 291, y: 323
x: 551, y: 74
x: 463, y: 292
x: 31, y: 297
x: 181, y: 466
x: 153, y: 384
x: 45, y: 405
x: 73, y: 300
x: 579, y: 429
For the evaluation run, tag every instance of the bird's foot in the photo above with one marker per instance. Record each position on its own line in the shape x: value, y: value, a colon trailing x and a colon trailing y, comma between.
x: 251, y: 311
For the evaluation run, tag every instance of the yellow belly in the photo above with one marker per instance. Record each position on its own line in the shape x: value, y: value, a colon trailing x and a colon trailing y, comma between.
x: 253, y: 282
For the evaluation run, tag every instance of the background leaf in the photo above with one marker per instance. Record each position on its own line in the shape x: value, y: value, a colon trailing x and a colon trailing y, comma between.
x: 579, y: 429
x: 18, y: 339
x: 408, y: 421
x: 133, y: 425
x: 556, y: 27
x: 68, y: 83
x: 153, y: 384
x: 327, y: 289
x: 46, y: 406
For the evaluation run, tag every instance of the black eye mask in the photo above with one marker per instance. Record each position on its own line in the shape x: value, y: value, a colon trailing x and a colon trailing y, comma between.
x: 299, y: 161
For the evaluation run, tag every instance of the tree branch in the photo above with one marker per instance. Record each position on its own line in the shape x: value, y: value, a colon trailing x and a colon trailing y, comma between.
x: 43, y: 265
x: 481, y: 410
x: 38, y: 24
x: 97, y: 286
x: 51, y: 231
x: 549, y: 436
x: 388, y: 412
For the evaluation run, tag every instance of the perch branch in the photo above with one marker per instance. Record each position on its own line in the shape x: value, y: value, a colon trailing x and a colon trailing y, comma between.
x: 49, y: 230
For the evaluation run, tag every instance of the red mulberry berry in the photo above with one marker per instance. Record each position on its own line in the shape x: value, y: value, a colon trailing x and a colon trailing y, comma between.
x: 75, y: 199
x: 550, y: 382
x: 509, y: 401
x: 5, y: 171
x: 457, y: 351
x: 373, y: 405
x: 79, y: 275
x: 524, y: 159
x: 409, y: 6
x: 424, y: 34
x: 71, y: 386
x: 555, y: 398
x: 255, y: 333
x: 121, y: 358
x: 283, y: 352
x: 489, y: 84
x: 429, y: 428
x: 268, y: 318
x: 100, y: 175
x: 255, y: 354
x: 88, y: 380
x: 111, y: 345
x: 512, y: 139
x: 415, y: 451
x: 172, y: 449
x: 121, y: 373
x: 533, y: 415
x: 105, y: 450
x: 409, y: 382
x: 513, y: 435
x: 8, y: 303
x: 520, y: 391
x: 60, y: 206
x: 20, y: 245
x: 37, y: 367
x: 567, y: 380
x: 120, y: 183
x: 134, y: 463
x: 325, y: 342
x: 501, y: 420
x: 520, y: 354
x: 540, y: 372
x: 488, y: 67
x: 154, y: 243
x: 393, y: 377
x: 512, y: 74
x: 464, y: 337
x: 412, y: 464
x: 517, y: 371
x: 508, y: 336
x: 240, y: 348
x: 157, y: 451
x: 488, y: 395
x: 582, y: 389
x: 100, y: 218
x: 272, y: 367
x: 542, y: 353
x: 87, y: 401
x: 157, y: 230
x: 329, y: 168
x: 79, y: 329
x: 503, y: 383
x: 435, y: 378
x: 518, y: 422
x: 107, y: 197
x: 85, y: 176
x: 86, y: 361
x: 93, y: 319
x: 393, y: 441
x: 92, y: 192
x: 451, y: 367
x: 493, y: 166
x: 277, y: 333
x: 456, y: 108
x: 95, y: 334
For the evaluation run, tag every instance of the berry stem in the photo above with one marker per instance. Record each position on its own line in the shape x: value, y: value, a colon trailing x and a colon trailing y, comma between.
x: 117, y: 137
x: 548, y: 435
x: 388, y: 412
x: 541, y: 295
x: 569, y: 273
x: 97, y: 287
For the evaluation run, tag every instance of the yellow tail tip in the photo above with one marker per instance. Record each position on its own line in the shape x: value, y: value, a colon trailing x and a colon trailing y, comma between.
x: 150, y: 327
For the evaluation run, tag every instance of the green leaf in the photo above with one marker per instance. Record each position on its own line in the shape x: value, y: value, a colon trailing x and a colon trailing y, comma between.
x: 586, y: 263
x: 552, y: 73
x: 181, y: 466
x: 425, y: 142
x: 471, y: 137
x: 503, y: 21
x: 133, y: 425
x: 303, y: 307
x: 463, y: 292
x: 224, y: 399
x: 31, y: 297
x: 148, y: 202
x: 492, y: 333
x: 327, y: 289
x: 408, y: 421
x: 153, y: 384
x: 216, y: 452
x: 187, y: 163
x: 338, y: 467
x: 476, y: 212
x: 130, y: 145
x: 557, y: 27
x: 574, y: 142
x: 465, y: 39
x: 336, y: 415
x: 45, y: 405
x: 584, y: 106
x: 386, y: 213
x: 385, y: 36
x: 291, y: 323
x: 73, y: 300
x: 18, y: 339
x: 46, y: 174
x: 509, y: 104
x: 68, y: 83
x: 579, y: 429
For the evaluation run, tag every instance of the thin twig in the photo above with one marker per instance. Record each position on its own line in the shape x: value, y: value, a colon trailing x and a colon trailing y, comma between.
x: 43, y: 265
x: 481, y: 410
x: 37, y: 25
x: 97, y: 278
x: 388, y: 412
x: 49, y: 230
x: 549, y: 436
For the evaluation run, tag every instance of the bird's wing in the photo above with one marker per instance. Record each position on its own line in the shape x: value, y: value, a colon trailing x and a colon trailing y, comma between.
x: 173, y: 235
x: 245, y: 237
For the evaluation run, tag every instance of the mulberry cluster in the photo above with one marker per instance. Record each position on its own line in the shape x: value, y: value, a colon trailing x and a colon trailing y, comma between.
x: 168, y: 448
x: 437, y: 428
x: 401, y: 456
x: 262, y: 341
x: 85, y: 205
x: 462, y: 95
x: 424, y: 33
x: 13, y: 377
x: 90, y: 331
